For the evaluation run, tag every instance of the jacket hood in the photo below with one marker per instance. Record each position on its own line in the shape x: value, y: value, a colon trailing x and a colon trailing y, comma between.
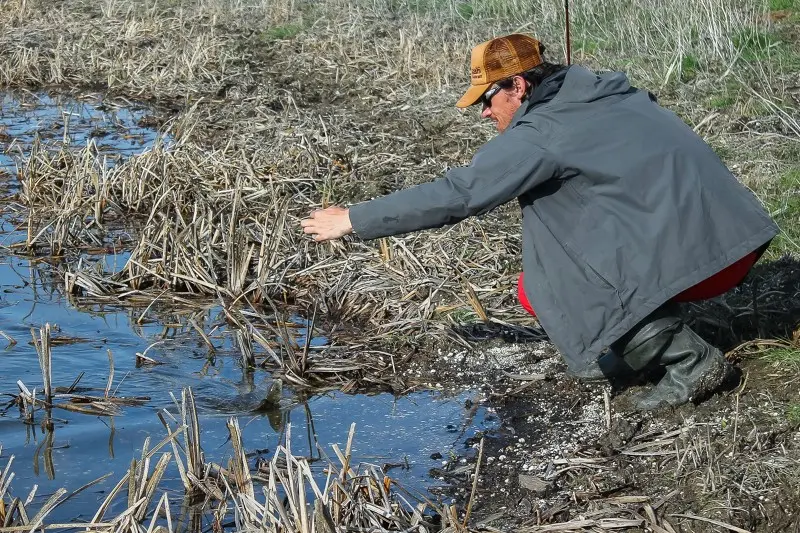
x: 581, y: 85
x: 575, y: 84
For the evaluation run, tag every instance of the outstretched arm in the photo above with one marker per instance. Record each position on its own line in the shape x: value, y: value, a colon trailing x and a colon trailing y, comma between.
x: 503, y: 169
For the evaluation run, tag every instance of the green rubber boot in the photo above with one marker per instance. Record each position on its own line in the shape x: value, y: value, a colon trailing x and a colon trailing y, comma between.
x: 693, y: 369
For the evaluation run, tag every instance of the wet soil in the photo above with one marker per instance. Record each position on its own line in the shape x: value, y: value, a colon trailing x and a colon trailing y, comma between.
x: 565, y: 451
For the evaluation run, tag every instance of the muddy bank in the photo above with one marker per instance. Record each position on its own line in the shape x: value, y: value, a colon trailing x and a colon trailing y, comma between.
x: 566, y: 451
x: 569, y: 455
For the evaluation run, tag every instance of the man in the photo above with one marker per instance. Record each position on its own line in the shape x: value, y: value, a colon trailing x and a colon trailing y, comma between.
x: 625, y: 211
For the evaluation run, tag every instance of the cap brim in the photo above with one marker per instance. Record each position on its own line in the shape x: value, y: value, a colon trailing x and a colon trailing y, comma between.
x: 472, y: 95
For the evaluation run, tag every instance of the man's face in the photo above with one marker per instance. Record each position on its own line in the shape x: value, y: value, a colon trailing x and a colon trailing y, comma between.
x: 500, y: 104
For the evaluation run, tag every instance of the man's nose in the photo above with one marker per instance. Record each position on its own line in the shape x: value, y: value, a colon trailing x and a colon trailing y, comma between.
x: 487, y: 112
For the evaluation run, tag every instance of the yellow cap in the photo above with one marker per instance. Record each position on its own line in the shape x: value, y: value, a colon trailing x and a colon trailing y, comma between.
x: 497, y: 60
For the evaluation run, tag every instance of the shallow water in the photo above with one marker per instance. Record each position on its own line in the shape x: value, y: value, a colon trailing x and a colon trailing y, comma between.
x: 389, y: 430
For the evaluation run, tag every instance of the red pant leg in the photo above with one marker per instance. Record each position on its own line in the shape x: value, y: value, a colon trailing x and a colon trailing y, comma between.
x: 523, y: 299
x: 721, y: 282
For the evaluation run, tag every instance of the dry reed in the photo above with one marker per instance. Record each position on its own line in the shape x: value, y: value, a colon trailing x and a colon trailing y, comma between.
x: 106, y: 405
x: 273, y: 108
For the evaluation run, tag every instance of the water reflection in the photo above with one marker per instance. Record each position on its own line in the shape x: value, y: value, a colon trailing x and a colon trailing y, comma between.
x: 73, y: 449
x: 117, y: 127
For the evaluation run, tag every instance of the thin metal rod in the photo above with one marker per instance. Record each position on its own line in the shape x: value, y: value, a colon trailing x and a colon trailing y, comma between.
x: 569, y: 44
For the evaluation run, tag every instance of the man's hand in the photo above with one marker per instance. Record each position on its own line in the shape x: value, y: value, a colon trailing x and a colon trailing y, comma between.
x: 327, y: 224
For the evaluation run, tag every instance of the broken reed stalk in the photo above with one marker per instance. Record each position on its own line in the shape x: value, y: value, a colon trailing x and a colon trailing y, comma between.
x: 110, y: 373
x: 191, y: 466
x: 11, y: 340
x: 244, y: 340
x: 43, y: 344
x: 238, y: 466
x: 474, y: 484
x: 28, y: 400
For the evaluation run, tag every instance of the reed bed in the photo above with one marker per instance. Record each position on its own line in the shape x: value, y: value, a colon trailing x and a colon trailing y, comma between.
x: 228, y: 228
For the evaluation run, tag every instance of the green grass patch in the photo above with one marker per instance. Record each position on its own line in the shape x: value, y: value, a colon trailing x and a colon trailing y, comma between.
x: 418, y: 6
x: 465, y: 10
x: 756, y: 45
x: 793, y: 413
x: 279, y: 33
x: 689, y: 67
x: 722, y: 101
x: 783, y: 356
x: 780, y: 48
x: 781, y: 5
x: 783, y: 202
x: 463, y: 315
x: 587, y: 45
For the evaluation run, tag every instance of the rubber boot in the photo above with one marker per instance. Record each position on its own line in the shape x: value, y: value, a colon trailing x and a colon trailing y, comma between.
x: 694, y: 371
x: 692, y: 368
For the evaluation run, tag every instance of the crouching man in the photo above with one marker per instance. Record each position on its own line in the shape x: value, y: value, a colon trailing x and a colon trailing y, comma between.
x: 625, y: 211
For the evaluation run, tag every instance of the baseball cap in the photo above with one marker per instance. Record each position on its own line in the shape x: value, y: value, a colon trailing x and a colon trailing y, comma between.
x: 497, y: 59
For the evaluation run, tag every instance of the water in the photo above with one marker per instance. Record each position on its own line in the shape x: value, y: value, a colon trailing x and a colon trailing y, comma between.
x: 114, y: 127
x: 401, y: 432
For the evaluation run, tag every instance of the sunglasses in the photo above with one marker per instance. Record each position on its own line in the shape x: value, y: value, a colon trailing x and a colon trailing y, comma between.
x: 486, y: 99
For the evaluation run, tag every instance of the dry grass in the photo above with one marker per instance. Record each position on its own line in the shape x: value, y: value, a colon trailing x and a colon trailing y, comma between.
x: 273, y: 108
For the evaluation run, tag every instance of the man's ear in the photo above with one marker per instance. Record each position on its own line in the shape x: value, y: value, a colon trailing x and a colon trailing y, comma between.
x: 520, y: 85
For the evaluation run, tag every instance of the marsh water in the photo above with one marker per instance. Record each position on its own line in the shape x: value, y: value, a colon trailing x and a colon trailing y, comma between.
x: 407, y: 432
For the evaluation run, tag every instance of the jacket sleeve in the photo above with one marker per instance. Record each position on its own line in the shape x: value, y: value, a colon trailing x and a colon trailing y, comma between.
x: 503, y: 169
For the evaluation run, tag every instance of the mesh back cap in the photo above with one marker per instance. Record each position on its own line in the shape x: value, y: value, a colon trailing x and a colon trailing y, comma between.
x: 497, y: 59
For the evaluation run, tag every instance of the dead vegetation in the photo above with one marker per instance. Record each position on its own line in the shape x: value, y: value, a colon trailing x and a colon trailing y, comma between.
x: 571, y: 456
x: 67, y: 398
x: 285, y: 107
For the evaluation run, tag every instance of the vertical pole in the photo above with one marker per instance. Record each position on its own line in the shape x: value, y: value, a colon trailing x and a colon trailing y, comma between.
x: 567, y: 36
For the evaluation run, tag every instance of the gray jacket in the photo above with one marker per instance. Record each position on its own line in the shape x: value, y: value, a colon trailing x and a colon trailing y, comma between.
x: 623, y: 206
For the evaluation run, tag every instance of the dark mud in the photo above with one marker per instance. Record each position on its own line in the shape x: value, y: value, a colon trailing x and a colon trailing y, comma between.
x: 566, y: 451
